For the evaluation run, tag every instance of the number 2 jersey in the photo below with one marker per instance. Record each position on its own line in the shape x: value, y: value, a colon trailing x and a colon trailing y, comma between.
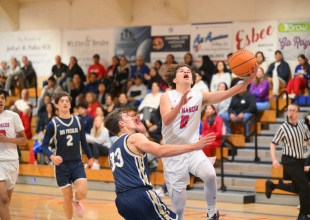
x: 69, y: 138
x: 129, y: 169
x: 185, y: 127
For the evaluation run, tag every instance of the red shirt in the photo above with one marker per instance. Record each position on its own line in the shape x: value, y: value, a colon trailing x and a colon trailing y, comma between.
x: 97, y: 68
x: 91, y: 110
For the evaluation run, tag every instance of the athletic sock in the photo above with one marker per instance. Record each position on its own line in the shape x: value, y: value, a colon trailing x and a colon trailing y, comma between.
x: 211, y: 210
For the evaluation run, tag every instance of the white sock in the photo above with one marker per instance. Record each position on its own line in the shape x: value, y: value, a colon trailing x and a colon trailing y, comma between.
x: 211, y: 210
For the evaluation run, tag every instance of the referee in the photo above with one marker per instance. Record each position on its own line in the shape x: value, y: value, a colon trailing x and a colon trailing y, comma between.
x: 292, y: 134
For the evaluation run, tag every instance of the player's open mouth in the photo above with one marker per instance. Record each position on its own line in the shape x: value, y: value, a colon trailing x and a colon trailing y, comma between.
x: 186, y: 77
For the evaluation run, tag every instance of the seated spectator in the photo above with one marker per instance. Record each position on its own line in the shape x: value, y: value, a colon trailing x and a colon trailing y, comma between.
x: 157, y: 65
x: 29, y: 72
x: 169, y: 61
x: 207, y: 69
x: 154, y: 125
x: 131, y: 111
x: 3, y: 73
x: 101, y: 93
x: 212, y: 124
x: 109, y: 105
x: 23, y: 107
x: 99, y: 111
x: 112, y: 69
x: 221, y: 76
x: 92, y: 104
x: 278, y: 73
x: 46, y: 116
x: 299, y: 82
x: 122, y: 76
x: 93, y: 83
x: 260, y: 89
x: 137, y: 91
x: 86, y: 118
x: 41, y: 111
x: 139, y: 69
x: 51, y: 89
x: 200, y: 85
x: 188, y: 60
x: 96, y: 68
x: 99, y: 141
x: 122, y: 102
x: 150, y: 103
x: 222, y: 106
x: 154, y: 76
x: 73, y: 69
x: 75, y: 90
x: 241, y: 108
x: 260, y: 59
x: 14, y: 74
x: 59, y: 70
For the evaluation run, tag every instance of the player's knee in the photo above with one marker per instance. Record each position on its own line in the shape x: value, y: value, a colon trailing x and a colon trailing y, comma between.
x: 4, y: 199
x: 81, y: 194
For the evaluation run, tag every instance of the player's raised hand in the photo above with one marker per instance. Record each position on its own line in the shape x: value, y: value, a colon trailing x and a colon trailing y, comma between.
x: 205, y: 140
x: 252, y: 73
x: 184, y: 98
x: 57, y: 160
x: 139, y: 126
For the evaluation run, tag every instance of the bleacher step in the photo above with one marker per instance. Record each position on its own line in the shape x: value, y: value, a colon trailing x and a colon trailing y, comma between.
x: 248, y: 154
x: 278, y: 199
x: 246, y: 167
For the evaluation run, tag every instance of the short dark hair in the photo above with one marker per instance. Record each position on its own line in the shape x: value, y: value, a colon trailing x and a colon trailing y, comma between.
x: 96, y: 56
x: 277, y: 51
x: 51, y: 78
x: 5, y: 93
x: 112, y: 120
x: 172, y: 72
x: 62, y: 94
x: 293, y: 104
x: 82, y: 105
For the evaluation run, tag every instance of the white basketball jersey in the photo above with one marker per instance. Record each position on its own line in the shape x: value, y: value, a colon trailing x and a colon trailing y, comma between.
x: 185, y: 127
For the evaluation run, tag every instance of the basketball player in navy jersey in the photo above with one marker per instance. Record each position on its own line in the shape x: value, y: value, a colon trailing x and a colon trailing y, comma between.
x: 69, y: 137
x: 136, y: 199
x: 180, y: 110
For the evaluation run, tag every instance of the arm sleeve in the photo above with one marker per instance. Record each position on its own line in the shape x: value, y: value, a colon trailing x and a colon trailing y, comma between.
x: 84, y: 143
x: 278, y: 136
x: 47, y: 137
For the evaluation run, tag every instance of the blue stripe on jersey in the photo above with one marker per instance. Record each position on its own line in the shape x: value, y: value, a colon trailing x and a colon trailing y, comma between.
x: 129, y: 169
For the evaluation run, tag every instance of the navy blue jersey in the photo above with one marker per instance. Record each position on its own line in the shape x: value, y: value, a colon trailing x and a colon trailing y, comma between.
x: 129, y: 169
x: 69, y: 138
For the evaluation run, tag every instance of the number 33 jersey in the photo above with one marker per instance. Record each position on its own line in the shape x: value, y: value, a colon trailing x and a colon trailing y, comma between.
x: 185, y: 127
x: 129, y: 169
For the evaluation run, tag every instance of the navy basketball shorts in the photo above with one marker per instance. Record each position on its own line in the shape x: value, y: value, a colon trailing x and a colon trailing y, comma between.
x: 142, y: 203
x: 69, y: 172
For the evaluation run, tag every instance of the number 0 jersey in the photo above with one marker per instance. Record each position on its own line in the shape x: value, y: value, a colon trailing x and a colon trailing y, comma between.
x: 185, y: 127
x: 129, y: 169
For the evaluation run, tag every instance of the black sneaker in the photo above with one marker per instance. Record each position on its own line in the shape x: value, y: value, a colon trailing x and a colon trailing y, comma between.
x: 214, y: 217
x: 302, y: 217
x: 269, y: 188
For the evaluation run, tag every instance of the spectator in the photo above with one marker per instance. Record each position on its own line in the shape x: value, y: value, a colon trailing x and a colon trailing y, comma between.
x: 109, y: 105
x: 154, y: 76
x: 157, y: 65
x: 59, y: 70
x: 154, y: 126
x: 278, y: 73
x: 222, y: 106
x: 260, y: 89
x: 169, y: 60
x: 86, y: 118
x: 101, y: 93
x: 46, y: 116
x: 140, y: 68
x: 122, y: 76
x: 212, y: 124
x: 3, y: 73
x: 73, y: 69
x: 15, y: 73
x: 137, y: 92
x: 112, y: 69
x: 29, y: 72
x: 75, y: 90
x: 299, y: 82
x: 41, y: 110
x: 188, y: 59
x: 241, y: 108
x: 260, y: 58
x: 51, y: 89
x: 92, y: 85
x: 199, y: 84
x: 221, y: 76
x: 99, y: 111
x: 122, y: 102
x: 96, y: 68
x: 92, y: 104
x: 207, y: 69
x: 98, y: 140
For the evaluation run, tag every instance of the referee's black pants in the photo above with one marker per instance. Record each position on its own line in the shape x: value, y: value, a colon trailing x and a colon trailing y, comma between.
x: 294, y: 168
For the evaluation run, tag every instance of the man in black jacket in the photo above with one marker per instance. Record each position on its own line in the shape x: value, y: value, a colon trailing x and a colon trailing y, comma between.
x: 241, y: 108
x: 278, y: 73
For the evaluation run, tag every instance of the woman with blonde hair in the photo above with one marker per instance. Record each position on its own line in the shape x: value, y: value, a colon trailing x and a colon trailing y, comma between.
x: 260, y: 89
x: 99, y: 140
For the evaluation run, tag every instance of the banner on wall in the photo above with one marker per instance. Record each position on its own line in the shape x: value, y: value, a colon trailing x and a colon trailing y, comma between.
x: 83, y: 44
x: 256, y: 36
x: 294, y: 39
x: 167, y: 39
x: 212, y: 39
x: 39, y: 46
x: 132, y: 42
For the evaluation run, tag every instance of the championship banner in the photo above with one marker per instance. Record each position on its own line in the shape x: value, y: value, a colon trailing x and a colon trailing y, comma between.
x: 294, y: 39
x: 132, y: 42
x: 170, y: 39
x: 212, y: 39
x: 83, y: 44
x: 256, y: 36
x: 39, y: 46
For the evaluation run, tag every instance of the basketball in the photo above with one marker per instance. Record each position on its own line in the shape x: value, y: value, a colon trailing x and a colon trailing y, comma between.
x: 242, y: 62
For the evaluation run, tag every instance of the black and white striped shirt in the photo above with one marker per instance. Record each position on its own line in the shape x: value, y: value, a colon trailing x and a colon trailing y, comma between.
x: 292, y: 137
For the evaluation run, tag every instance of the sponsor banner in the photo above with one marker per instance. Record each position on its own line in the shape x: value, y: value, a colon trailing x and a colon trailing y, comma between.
x: 294, y: 39
x: 256, y: 36
x: 83, y: 44
x: 174, y: 43
x: 212, y: 39
x: 39, y: 46
x: 132, y: 42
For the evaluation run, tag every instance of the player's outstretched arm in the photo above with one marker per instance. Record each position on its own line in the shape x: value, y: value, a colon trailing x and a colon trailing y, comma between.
x: 210, y: 98
x: 138, y: 143
x: 168, y: 114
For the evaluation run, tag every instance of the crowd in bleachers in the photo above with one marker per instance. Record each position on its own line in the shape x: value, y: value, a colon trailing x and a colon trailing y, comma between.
x: 137, y: 87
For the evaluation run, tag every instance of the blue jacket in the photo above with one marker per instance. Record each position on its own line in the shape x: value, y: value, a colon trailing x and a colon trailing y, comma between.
x: 283, y: 70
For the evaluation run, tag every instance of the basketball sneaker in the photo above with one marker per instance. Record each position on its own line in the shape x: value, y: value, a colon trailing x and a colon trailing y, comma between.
x: 214, y: 217
x: 79, y: 208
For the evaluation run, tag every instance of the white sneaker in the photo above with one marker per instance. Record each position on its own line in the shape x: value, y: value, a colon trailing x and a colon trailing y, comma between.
x: 291, y: 96
x: 96, y: 166
x: 160, y: 192
x: 79, y: 208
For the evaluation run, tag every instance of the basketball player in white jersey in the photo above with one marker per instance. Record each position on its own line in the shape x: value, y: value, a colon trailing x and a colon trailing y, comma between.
x: 11, y: 134
x: 180, y: 109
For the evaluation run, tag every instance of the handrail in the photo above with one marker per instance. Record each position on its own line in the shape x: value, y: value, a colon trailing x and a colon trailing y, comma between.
x: 277, y: 102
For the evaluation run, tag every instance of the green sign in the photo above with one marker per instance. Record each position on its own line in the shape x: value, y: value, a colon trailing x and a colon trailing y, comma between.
x: 294, y: 27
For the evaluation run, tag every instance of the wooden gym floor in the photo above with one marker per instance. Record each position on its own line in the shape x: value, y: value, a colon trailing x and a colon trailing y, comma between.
x: 41, y: 202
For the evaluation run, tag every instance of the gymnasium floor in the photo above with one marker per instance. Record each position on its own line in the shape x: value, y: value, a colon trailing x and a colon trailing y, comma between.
x: 41, y: 202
